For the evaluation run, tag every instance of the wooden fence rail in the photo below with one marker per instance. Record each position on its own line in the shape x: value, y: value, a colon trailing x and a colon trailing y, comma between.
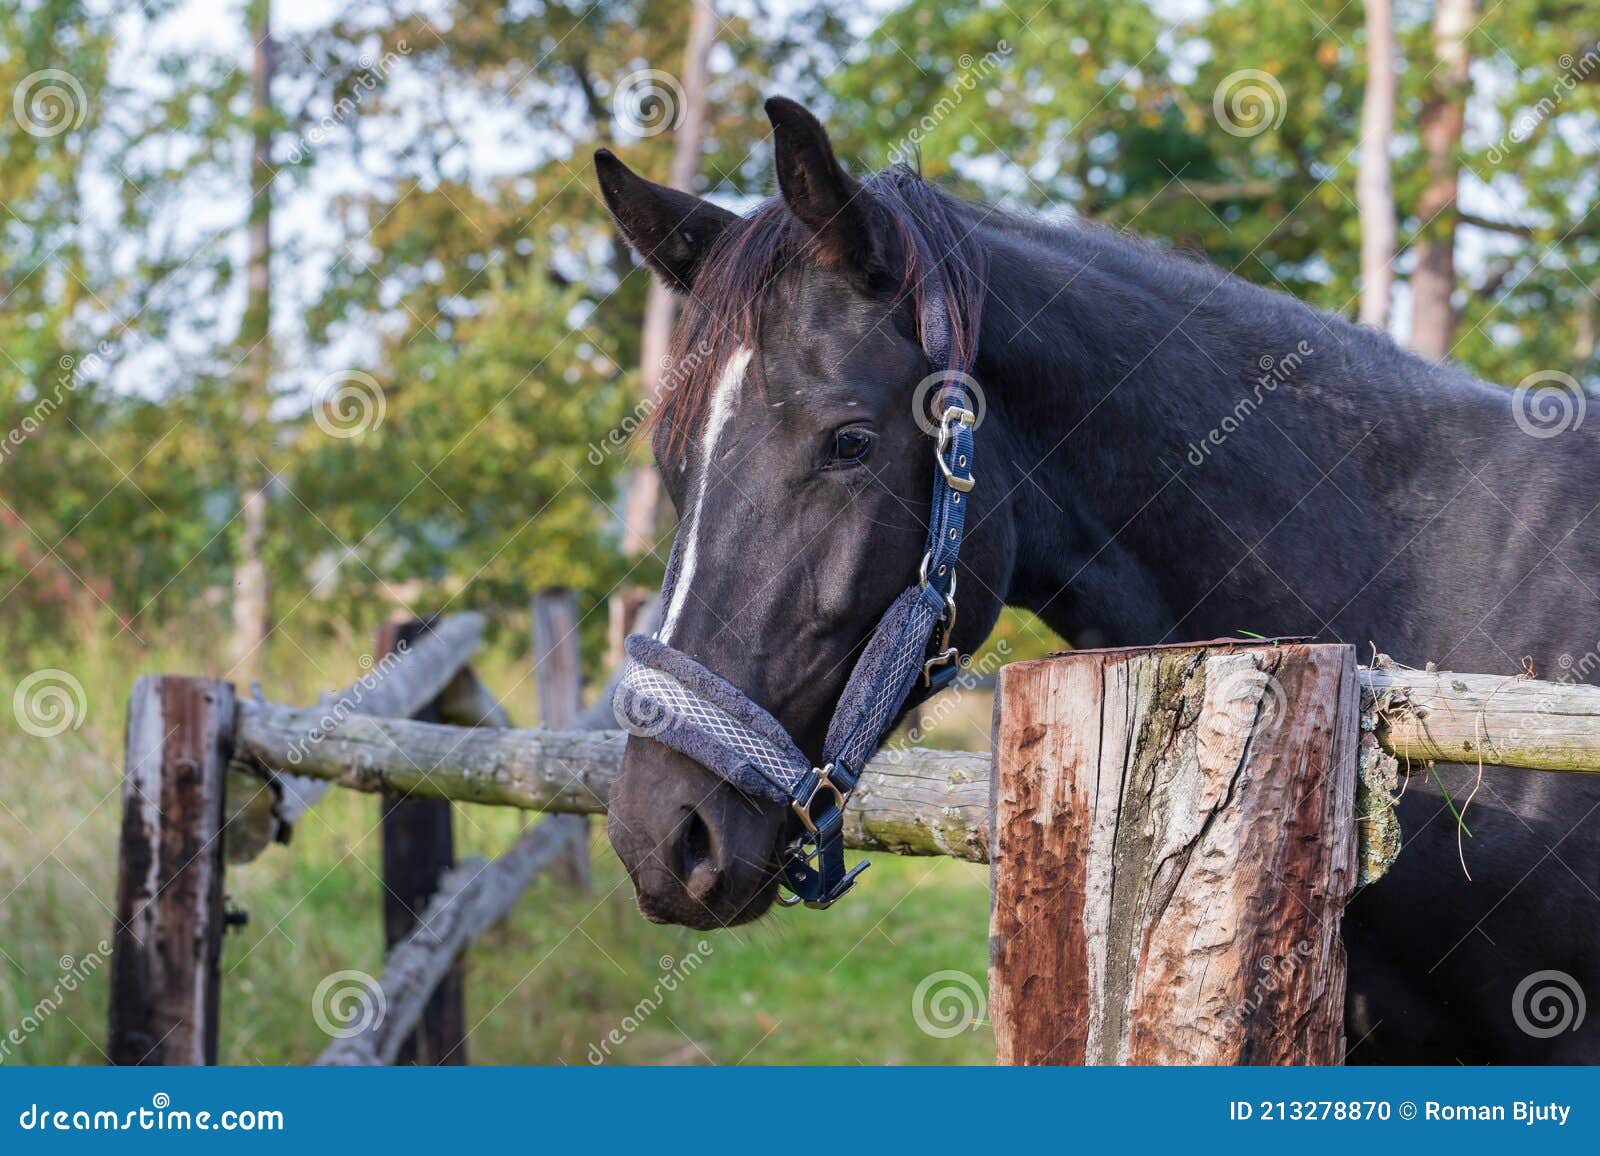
x: 911, y: 801
x: 400, y: 682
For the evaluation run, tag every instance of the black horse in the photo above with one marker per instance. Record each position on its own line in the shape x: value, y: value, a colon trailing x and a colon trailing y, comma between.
x: 1168, y: 453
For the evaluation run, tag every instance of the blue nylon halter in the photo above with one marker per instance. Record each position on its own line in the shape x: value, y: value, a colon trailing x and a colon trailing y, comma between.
x: 666, y: 695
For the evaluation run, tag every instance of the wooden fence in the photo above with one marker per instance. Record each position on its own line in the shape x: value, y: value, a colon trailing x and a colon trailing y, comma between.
x: 1139, y: 804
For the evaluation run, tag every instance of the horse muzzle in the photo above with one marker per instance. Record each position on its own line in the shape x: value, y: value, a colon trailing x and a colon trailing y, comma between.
x: 700, y: 852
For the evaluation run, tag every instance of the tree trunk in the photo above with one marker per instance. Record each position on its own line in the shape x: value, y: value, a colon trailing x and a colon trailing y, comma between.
x: 1433, y: 318
x: 642, y: 509
x: 1374, y: 190
x: 250, y: 592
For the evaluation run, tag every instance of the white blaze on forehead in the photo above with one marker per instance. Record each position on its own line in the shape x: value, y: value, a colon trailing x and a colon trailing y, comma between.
x: 721, y: 408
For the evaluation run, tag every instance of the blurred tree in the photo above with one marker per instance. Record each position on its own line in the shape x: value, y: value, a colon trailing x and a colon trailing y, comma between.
x: 1444, y: 116
x: 1530, y: 203
x: 104, y: 286
x: 252, y: 440
x: 476, y: 244
x: 435, y: 205
x: 1374, y: 187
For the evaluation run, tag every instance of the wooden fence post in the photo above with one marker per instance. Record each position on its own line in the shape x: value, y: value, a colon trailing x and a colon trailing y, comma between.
x: 1174, y: 844
x: 558, y: 675
x: 167, y: 943
x: 418, y: 848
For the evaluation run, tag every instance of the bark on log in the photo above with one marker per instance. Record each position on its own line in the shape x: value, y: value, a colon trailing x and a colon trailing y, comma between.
x: 472, y: 898
x: 167, y: 941
x: 1506, y: 721
x: 399, y: 686
x: 1175, y: 841
x: 1443, y: 120
x: 912, y: 802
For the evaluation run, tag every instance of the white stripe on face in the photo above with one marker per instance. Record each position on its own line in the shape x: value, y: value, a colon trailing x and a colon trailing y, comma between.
x: 721, y: 408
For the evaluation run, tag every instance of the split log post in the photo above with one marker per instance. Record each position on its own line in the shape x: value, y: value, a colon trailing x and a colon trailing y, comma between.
x: 559, y: 680
x: 418, y: 849
x: 1174, y: 844
x: 166, y: 963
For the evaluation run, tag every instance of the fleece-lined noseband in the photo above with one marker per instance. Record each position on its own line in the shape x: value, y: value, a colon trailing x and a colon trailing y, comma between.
x: 668, y: 696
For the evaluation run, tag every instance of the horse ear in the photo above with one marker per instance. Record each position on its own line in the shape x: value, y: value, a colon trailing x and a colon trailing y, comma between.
x: 672, y: 231
x: 818, y: 190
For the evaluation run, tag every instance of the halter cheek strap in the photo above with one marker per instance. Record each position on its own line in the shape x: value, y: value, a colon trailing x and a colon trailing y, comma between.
x: 666, y: 695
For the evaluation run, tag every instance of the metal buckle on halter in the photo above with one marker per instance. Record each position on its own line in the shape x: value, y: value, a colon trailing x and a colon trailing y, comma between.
x: 802, y: 854
x: 964, y: 416
x: 807, y: 863
x: 802, y: 808
x: 946, y: 653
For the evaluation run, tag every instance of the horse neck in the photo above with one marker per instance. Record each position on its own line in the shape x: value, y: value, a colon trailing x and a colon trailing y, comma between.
x: 1115, y: 372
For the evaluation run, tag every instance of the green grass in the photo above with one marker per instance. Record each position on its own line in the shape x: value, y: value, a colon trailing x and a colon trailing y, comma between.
x: 544, y: 987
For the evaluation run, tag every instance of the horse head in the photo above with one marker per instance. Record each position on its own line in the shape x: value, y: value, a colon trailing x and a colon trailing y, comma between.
x: 794, y: 438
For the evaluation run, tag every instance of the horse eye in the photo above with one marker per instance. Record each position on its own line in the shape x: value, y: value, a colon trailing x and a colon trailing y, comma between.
x: 851, y: 445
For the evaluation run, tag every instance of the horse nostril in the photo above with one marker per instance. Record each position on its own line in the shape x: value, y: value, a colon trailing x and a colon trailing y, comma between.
x: 697, y: 865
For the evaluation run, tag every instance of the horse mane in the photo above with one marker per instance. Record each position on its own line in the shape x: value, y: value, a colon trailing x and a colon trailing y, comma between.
x: 748, y: 262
